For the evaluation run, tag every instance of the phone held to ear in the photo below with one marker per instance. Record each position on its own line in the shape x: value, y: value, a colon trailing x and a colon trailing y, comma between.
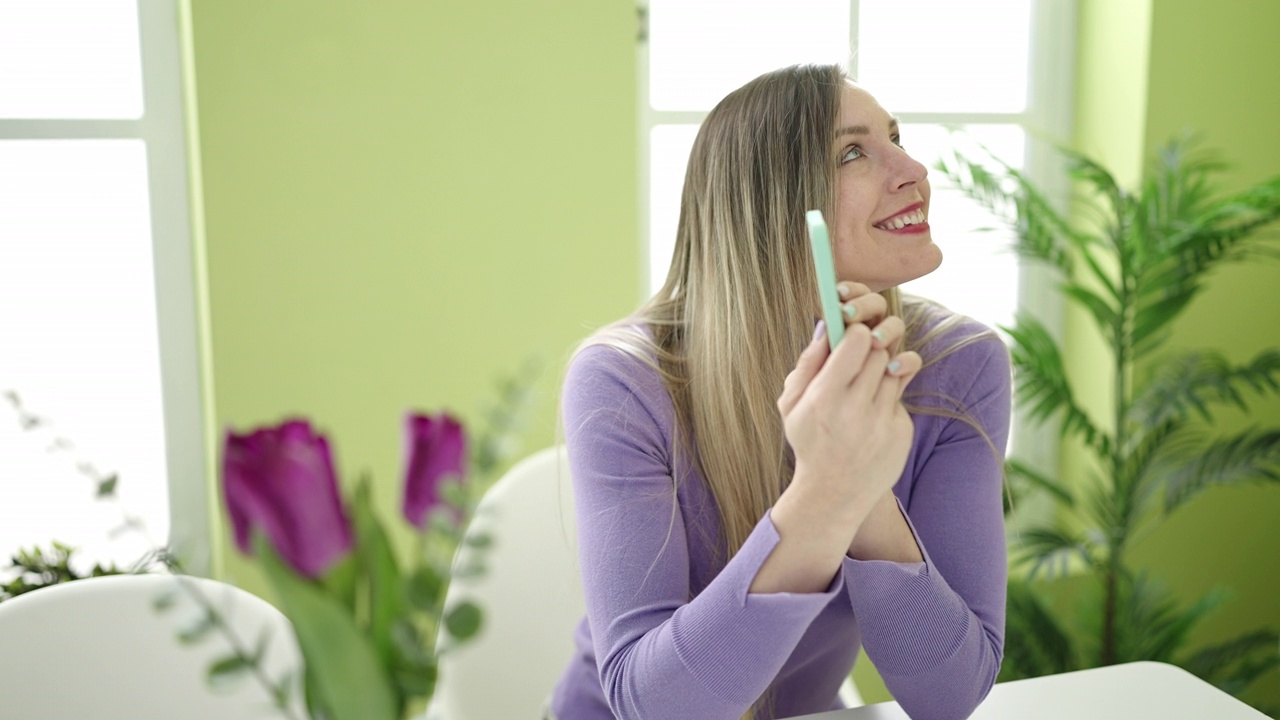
x: 824, y: 267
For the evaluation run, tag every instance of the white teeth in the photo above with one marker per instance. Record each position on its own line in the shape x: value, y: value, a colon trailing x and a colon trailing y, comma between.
x: 912, y: 218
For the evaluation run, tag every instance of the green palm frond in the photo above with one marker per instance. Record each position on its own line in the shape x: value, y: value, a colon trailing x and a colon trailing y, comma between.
x: 1189, y: 246
x: 1035, y: 644
x: 1104, y: 314
x: 1015, y: 469
x: 1235, y: 664
x: 1085, y: 169
x: 1196, y: 380
x: 1049, y: 551
x: 1151, y: 625
x: 1042, y: 233
x: 1249, y: 456
x: 1152, y: 444
x: 1042, y: 386
x: 1151, y: 320
x: 1177, y: 188
x: 1134, y: 261
x: 1230, y: 220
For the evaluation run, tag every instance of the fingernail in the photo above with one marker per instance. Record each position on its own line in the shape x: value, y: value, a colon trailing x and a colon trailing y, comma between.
x: 844, y: 291
x: 818, y: 330
x: 850, y: 311
x: 893, y: 367
x: 878, y: 334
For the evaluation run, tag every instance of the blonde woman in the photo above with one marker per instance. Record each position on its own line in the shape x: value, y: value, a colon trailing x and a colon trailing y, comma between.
x: 753, y: 507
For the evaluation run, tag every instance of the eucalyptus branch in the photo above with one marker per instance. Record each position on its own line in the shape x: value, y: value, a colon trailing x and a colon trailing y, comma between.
x: 241, y: 659
x: 106, y: 486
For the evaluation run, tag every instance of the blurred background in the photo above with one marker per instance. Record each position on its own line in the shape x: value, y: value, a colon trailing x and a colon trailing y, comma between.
x: 218, y: 213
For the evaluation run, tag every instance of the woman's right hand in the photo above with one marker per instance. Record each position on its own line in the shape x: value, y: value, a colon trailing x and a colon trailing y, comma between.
x: 842, y: 412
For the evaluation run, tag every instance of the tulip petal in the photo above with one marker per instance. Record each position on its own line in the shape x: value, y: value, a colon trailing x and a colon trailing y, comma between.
x: 436, y: 449
x: 281, y: 481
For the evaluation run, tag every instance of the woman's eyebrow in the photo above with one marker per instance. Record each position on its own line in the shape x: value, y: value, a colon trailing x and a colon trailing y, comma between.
x: 864, y: 130
x: 854, y: 130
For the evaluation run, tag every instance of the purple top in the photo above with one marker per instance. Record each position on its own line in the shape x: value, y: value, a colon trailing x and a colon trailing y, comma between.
x: 671, y: 630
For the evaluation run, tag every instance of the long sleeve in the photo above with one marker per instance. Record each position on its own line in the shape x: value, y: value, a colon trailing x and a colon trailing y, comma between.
x: 935, y: 630
x: 660, y: 652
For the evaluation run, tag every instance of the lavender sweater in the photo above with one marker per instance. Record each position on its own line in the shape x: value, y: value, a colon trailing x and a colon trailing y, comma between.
x: 672, y: 632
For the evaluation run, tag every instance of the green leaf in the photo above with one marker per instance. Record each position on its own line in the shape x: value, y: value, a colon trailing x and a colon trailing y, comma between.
x: 415, y: 670
x: 198, y: 630
x: 1153, y: 318
x: 1050, y: 551
x: 344, y: 675
x: 1041, y: 383
x: 426, y: 589
x: 1196, y: 380
x: 1041, y: 232
x: 463, y: 620
x: 470, y: 570
x: 387, y: 599
x: 107, y: 488
x: 1150, y: 625
x: 226, y: 673
x: 1102, y: 312
x: 282, y: 690
x: 1015, y: 468
x: 164, y: 601
x: 1235, y: 664
x: 341, y: 580
x: 1249, y: 456
x: 1035, y: 643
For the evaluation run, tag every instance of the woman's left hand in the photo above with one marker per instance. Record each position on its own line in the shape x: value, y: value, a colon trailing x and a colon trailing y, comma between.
x: 859, y: 305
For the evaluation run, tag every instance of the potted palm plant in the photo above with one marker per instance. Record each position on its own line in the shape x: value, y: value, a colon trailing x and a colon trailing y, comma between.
x: 1133, y: 268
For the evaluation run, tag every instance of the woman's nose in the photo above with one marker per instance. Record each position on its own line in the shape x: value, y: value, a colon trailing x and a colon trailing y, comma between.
x: 907, y: 171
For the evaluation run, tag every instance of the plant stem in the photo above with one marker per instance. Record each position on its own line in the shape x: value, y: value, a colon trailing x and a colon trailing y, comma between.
x: 189, y: 586
x: 1122, y: 484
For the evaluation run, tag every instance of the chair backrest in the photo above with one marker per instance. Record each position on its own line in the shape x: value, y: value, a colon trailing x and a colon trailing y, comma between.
x: 99, y: 648
x: 531, y: 596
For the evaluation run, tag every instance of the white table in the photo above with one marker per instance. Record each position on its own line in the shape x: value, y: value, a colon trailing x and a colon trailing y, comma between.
x: 1134, y: 691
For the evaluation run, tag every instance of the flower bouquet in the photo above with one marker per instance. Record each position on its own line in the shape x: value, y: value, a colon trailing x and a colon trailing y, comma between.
x: 366, y: 624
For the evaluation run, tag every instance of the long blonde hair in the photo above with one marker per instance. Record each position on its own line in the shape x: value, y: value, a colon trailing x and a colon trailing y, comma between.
x: 740, y: 300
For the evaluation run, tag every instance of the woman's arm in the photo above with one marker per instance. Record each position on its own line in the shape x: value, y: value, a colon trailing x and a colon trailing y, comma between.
x: 935, y: 628
x: 661, y: 653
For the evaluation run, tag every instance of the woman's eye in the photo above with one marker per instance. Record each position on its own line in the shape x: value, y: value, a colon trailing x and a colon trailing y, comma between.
x: 897, y: 140
x: 852, y: 153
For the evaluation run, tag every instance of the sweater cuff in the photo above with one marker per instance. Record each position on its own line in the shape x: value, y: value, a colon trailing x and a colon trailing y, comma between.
x: 906, y: 611
x: 727, y: 621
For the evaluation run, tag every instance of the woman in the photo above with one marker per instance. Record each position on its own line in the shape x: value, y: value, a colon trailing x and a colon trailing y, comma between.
x: 752, y: 506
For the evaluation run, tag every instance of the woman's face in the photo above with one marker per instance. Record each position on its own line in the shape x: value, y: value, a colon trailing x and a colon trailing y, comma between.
x: 880, y: 230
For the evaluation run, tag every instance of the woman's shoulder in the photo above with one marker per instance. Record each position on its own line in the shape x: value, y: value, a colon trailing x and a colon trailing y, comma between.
x: 616, y: 370
x: 961, y: 355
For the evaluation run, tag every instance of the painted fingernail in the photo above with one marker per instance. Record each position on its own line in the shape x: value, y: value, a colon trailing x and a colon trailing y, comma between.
x: 850, y: 311
x: 818, y: 330
x: 844, y: 290
x: 893, y: 367
x: 878, y: 335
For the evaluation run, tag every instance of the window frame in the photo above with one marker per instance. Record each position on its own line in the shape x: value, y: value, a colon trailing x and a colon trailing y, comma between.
x: 1048, y: 115
x: 178, y: 270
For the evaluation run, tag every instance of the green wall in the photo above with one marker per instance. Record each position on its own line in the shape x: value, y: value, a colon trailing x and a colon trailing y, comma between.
x: 405, y: 201
x: 1210, y: 67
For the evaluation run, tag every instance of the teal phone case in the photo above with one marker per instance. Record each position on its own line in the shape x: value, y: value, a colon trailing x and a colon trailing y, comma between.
x: 825, y: 268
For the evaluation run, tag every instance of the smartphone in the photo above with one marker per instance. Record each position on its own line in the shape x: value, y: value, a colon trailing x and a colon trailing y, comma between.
x: 825, y: 268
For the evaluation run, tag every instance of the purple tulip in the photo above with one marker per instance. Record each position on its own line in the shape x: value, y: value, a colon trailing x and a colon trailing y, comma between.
x: 280, y: 481
x: 435, y: 449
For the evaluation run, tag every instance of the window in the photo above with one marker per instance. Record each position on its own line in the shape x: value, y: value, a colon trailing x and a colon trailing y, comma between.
x: 997, y: 69
x: 97, y: 309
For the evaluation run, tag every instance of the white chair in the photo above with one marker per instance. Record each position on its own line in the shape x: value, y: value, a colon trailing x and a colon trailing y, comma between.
x: 531, y: 596
x: 98, y: 648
